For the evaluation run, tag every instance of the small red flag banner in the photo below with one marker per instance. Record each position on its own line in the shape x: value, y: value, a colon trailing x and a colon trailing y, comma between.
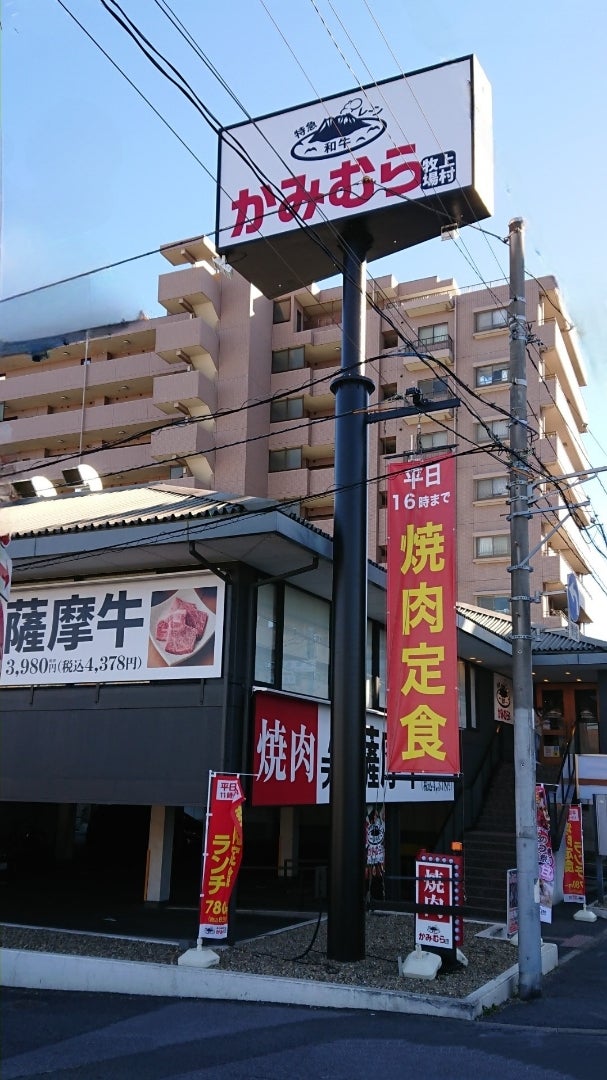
x: 574, y: 881
x: 222, y: 854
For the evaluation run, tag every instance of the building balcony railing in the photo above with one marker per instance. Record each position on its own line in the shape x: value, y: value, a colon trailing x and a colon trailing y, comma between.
x: 566, y: 364
x: 101, y: 423
x: 193, y: 442
x: 192, y: 288
x: 63, y: 387
x: 190, y: 341
x: 192, y: 391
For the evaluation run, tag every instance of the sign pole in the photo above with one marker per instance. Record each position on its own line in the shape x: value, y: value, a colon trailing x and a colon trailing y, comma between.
x: 346, y: 915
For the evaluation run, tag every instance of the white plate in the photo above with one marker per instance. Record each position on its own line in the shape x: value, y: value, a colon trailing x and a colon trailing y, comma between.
x: 161, y: 611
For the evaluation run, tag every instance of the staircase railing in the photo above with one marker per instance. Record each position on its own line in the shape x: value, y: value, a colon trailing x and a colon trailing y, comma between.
x: 469, y: 801
x: 559, y: 796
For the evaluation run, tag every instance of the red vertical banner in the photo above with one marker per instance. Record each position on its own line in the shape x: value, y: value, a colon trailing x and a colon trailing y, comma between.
x: 574, y: 881
x: 422, y: 696
x: 222, y: 855
x: 545, y: 854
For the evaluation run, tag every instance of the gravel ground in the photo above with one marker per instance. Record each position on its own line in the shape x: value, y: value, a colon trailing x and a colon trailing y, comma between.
x: 282, y: 953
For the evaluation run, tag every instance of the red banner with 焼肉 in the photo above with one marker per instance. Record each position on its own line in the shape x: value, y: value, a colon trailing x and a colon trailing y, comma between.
x: 222, y: 855
x: 422, y: 697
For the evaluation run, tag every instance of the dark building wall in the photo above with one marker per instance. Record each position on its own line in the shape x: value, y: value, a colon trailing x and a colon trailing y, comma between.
x: 129, y: 744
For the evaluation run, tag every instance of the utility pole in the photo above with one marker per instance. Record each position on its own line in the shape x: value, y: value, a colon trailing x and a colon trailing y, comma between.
x: 529, y: 934
x: 352, y: 389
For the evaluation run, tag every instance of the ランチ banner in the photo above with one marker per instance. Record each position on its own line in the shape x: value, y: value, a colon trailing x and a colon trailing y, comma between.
x: 222, y: 854
x: 574, y: 882
x: 422, y: 698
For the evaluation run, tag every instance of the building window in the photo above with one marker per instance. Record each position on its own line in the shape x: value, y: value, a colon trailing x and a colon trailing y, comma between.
x: 288, y: 359
x: 286, y: 409
x: 433, y: 389
x: 375, y: 666
x: 281, y: 460
x: 387, y: 445
x: 2, y: 408
x: 281, y: 311
x: 388, y: 391
x: 432, y: 440
x: 265, y: 635
x: 431, y: 336
x: 305, y: 644
x: 494, y: 603
x: 492, y: 429
x: 493, y: 319
x: 492, y: 374
x: 491, y: 487
x: 176, y: 472
x: 466, y: 687
x: 491, y: 547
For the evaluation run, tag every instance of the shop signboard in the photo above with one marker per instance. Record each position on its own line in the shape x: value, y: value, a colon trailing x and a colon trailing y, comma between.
x: 545, y: 854
x: 409, y: 155
x: 438, y: 885
x: 115, y: 630
x: 422, y: 691
x: 574, y: 881
x: 222, y: 854
x: 291, y: 757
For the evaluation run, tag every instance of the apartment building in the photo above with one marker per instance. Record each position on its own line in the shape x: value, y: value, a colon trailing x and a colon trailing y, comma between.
x: 230, y: 391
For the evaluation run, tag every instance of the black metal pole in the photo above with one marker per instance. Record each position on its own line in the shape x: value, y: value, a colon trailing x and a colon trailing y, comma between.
x: 346, y: 915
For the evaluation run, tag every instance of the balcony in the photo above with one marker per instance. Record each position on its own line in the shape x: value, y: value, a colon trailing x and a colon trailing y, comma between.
x: 101, y: 423
x: 121, y: 377
x: 289, y: 484
x: 561, y: 359
x: 559, y: 413
x: 560, y: 457
x: 193, y: 442
x: 118, y: 466
x: 189, y: 390
x: 189, y: 341
x: 194, y: 290
x: 440, y: 348
x: 431, y: 303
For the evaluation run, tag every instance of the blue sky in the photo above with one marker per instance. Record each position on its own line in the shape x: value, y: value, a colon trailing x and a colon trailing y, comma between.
x: 91, y: 175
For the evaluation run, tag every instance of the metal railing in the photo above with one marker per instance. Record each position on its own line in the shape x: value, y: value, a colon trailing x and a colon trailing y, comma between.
x: 559, y: 795
x: 470, y: 800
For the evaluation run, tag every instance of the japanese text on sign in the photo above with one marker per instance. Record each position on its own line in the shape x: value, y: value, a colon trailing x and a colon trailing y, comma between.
x: 423, y: 734
x: 115, y: 631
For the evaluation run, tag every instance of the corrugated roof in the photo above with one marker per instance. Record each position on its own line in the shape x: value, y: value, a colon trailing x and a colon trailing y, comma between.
x: 119, y: 507
x: 494, y: 621
x: 544, y: 641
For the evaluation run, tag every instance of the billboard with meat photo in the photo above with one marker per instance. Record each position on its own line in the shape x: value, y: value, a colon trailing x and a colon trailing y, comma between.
x: 115, y: 630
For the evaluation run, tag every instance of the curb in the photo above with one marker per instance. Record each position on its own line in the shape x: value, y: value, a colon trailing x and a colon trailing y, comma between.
x: 52, y: 971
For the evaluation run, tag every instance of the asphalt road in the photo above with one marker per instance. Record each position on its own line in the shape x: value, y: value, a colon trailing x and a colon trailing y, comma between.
x: 82, y: 1036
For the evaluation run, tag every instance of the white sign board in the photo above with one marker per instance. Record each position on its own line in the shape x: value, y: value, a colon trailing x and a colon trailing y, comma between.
x: 114, y: 631
x: 410, y: 155
x: 591, y: 775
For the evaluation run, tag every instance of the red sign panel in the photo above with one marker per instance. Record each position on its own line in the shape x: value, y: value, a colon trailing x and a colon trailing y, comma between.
x: 438, y: 885
x: 284, y: 756
x: 422, y: 695
x: 222, y: 855
x: 574, y: 883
